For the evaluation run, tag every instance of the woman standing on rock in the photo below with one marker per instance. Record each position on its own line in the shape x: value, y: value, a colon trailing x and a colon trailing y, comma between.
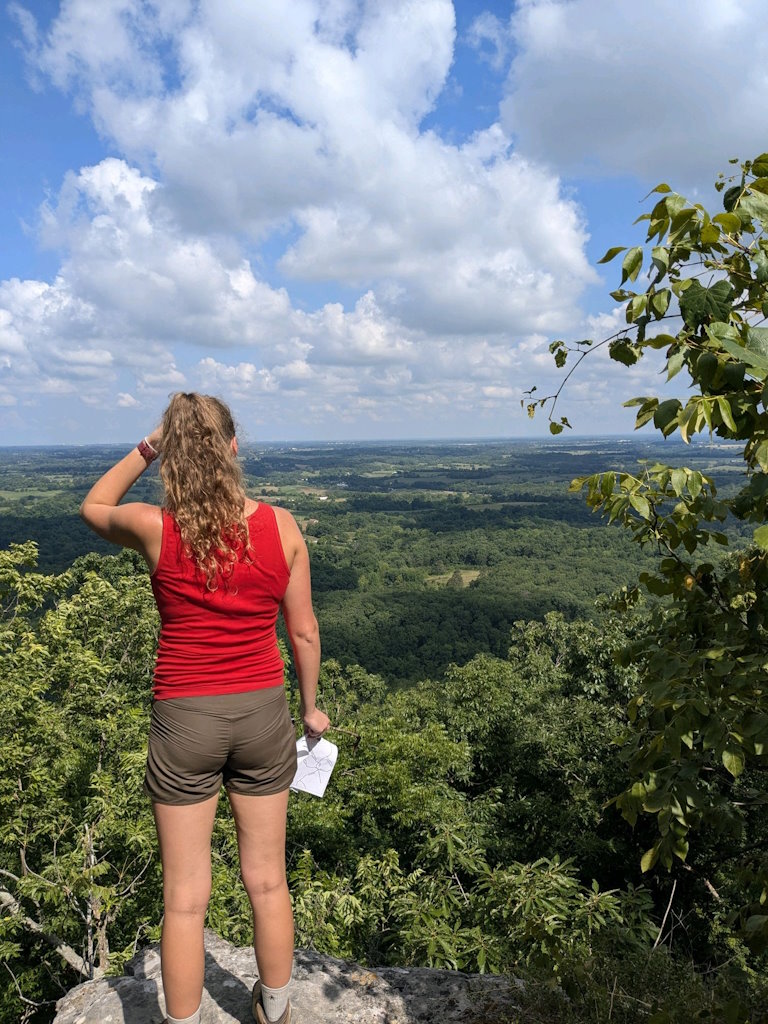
x: 221, y: 567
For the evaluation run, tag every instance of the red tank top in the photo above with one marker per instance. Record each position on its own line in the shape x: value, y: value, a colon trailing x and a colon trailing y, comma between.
x: 220, y: 641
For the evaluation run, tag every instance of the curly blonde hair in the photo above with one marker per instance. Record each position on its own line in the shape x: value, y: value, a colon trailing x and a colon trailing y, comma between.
x: 204, y: 484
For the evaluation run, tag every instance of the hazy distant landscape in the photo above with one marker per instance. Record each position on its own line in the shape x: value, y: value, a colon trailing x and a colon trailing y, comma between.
x: 423, y: 553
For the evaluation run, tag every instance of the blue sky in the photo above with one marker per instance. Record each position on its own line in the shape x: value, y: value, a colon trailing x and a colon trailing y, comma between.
x: 352, y: 220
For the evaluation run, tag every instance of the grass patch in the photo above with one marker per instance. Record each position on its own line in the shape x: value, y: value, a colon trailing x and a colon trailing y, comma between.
x: 442, y: 579
x: 31, y: 493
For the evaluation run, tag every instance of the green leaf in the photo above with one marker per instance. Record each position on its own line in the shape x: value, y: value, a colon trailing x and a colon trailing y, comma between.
x: 680, y: 849
x: 660, y: 341
x: 649, y: 858
x: 660, y: 302
x: 728, y: 221
x: 633, y: 261
x: 734, y: 762
x: 756, y: 206
x: 666, y: 414
x: 678, y: 479
x: 689, y: 420
x: 675, y: 363
x: 555, y: 428
x: 718, y: 330
x: 757, y: 342
x: 744, y: 355
x: 761, y: 456
x: 641, y: 505
x: 731, y: 197
x: 710, y: 234
x: 760, y: 537
x: 645, y: 414
x: 636, y: 308
x: 760, y: 164
x: 623, y: 351
x: 725, y: 411
x: 681, y: 221
x: 660, y: 258
x: 614, y: 251
x: 761, y: 267
x: 702, y: 305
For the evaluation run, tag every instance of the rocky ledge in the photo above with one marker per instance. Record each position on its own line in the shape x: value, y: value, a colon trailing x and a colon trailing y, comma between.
x: 325, y: 991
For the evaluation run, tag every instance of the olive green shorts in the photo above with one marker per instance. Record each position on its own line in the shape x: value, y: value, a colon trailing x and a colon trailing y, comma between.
x: 245, y: 741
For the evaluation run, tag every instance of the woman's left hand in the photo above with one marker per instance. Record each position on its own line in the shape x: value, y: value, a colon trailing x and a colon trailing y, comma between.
x: 315, y: 723
x: 156, y: 438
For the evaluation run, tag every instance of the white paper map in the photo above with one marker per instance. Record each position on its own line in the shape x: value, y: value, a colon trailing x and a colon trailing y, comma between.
x: 316, y: 759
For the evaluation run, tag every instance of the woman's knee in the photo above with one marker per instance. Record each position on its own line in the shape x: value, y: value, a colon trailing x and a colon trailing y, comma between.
x: 190, y: 898
x: 262, y: 884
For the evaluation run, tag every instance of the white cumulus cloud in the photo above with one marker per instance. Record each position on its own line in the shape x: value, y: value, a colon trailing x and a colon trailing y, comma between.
x: 262, y: 159
x: 652, y: 90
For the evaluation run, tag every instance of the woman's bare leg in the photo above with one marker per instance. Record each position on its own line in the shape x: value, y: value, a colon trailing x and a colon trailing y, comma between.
x: 260, y: 822
x: 185, y: 848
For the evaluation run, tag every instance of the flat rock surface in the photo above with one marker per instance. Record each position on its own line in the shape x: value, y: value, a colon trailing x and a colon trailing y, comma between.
x: 324, y: 990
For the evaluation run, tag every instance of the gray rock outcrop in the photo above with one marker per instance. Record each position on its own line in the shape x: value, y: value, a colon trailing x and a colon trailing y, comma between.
x: 325, y: 991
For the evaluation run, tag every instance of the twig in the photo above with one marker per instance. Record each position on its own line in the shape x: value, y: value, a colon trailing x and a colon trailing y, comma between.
x: 132, y: 887
x: 666, y: 914
x: 710, y: 888
x: 22, y: 997
x: 139, y: 930
x: 347, y: 732
x: 613, y: 993
x: 461, y: 887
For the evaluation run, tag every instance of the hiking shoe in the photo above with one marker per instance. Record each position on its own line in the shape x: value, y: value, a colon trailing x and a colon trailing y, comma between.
x: 261, y: 1017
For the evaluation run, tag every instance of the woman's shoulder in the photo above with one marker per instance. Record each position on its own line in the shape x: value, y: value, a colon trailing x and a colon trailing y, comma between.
x: 144, y: 514
x: 282, y: 515
x: 291, y: 537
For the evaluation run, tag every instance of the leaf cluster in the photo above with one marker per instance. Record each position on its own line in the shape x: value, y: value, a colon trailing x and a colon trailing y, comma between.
x: 696, y: 746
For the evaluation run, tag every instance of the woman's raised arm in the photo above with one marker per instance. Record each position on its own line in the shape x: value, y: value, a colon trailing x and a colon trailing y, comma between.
x: 135, y: 525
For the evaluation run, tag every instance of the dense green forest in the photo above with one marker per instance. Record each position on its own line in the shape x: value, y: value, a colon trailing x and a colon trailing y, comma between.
x: 469, y: 660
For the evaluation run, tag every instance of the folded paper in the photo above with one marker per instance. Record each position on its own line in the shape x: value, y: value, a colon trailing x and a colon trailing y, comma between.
x: 316, y: 759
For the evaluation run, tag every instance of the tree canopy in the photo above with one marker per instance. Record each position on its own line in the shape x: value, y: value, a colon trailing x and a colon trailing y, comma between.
x: 696, y: 745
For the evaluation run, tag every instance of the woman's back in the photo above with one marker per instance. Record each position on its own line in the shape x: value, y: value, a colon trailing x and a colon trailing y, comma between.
x: 221, y: 640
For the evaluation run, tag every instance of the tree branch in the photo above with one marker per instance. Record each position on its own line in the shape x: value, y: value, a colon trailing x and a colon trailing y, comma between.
x: 27, y: 1002
x: 666, y: 914
x: 710, y: 888
x: 11, y: 904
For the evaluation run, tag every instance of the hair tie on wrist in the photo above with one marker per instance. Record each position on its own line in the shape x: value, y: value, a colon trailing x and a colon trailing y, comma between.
x: 147, y: 452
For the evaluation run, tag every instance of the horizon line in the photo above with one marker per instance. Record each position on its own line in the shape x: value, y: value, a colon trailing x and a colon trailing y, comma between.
x: 454, y: 439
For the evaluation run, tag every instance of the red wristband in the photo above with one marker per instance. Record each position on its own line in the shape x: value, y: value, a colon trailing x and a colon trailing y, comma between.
x: 146, y: 451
